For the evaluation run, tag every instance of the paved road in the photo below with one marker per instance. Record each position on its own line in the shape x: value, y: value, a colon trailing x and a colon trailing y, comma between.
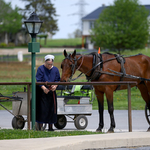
x: 139, y: 122
x: 25, y: 50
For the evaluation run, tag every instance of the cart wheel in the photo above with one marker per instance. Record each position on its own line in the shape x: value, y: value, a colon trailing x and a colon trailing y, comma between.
x: 147, y: 114
x: 61, y: 122
x: 37, y: 126
x: 81, y: 122
x: 18, y: 122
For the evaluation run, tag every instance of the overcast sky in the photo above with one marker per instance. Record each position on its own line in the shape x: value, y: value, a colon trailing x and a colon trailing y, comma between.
x: 69, y: 12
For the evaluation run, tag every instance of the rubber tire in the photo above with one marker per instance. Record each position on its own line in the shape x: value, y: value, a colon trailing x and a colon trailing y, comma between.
x: 81, y: 122
x: 61, y: 122
x: 37, y: 126
x: 18, y: 122
x: 147, y: 114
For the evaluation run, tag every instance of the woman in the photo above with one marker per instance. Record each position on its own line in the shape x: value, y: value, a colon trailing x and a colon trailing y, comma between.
x: 46, y: 98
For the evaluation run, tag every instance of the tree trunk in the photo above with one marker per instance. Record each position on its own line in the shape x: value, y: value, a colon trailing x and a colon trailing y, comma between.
x: 16, y: 40
x: 6, y: 38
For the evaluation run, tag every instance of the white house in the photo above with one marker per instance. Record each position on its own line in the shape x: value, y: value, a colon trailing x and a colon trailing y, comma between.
x: 88, y: 24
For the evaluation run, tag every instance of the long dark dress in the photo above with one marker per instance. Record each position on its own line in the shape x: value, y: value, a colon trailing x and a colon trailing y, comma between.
x: 46, y: 104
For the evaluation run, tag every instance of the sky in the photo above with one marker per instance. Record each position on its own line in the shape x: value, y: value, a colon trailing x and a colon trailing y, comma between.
x: 69, y: 13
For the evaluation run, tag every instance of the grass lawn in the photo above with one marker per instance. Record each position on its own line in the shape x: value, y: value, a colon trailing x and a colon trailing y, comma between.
x: 25, y: 134
x: 60, y: 42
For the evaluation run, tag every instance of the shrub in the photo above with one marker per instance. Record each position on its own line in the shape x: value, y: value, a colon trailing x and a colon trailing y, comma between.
x: 3, y: 45
x: 11, y: 45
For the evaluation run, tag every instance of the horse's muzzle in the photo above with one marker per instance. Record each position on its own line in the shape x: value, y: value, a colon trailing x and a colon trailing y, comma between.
x: 62, y: 80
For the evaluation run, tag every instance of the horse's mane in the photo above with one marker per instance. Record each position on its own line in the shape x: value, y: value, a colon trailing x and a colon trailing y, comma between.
x: 102, y: 53
x: 133, y: 55
x: 110, y: 54
x: 123, y: 55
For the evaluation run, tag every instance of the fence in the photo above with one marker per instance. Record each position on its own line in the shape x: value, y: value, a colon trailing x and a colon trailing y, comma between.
x: 27, y: 57
x: 14, y: 58
x: 76, y: 83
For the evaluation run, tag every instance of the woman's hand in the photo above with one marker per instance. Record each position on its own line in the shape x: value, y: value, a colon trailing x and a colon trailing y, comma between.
x: 53, y: 87
x: 46, y: 90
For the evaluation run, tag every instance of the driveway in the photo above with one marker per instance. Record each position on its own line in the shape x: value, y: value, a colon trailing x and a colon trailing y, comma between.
x: 139, y: 122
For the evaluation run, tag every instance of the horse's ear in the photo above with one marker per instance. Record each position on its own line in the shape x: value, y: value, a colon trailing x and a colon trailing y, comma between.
x: 65, y: 53
x: 74, y: 54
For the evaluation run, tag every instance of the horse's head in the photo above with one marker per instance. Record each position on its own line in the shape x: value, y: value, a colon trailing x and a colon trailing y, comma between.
x: 68, y: 66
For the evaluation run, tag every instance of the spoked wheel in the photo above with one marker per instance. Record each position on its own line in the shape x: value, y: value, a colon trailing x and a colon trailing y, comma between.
x: 81, y: 122
x: 18, y: 122
x: 37, y: 127
x: 147, y: 114
x: 61, y: 122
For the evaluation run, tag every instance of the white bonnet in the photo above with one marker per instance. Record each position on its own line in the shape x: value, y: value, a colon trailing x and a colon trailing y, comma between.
x: 49, y: 57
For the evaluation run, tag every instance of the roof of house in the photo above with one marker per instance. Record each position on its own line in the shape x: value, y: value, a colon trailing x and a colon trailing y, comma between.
x: 95, y: 14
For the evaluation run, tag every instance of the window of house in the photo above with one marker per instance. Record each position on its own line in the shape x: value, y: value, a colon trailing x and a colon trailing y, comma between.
x: 91, y: 24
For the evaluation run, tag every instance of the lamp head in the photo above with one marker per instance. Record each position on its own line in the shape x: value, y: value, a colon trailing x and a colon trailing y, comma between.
x: 33, y: 24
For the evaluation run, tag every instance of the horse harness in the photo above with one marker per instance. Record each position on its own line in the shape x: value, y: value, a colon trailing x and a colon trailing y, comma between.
x: 96, y: 71
x: 98, y: 66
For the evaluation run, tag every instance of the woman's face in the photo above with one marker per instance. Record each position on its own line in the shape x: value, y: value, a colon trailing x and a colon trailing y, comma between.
x: 48, y: 64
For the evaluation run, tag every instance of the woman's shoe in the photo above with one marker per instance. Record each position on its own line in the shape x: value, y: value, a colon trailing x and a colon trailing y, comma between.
x: 50, y: 129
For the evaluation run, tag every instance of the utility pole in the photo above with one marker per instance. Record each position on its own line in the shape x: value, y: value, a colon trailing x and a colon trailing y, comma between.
x: 81, y: 12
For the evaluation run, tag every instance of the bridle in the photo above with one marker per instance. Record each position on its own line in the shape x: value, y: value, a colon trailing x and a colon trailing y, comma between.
x: 74, y: 64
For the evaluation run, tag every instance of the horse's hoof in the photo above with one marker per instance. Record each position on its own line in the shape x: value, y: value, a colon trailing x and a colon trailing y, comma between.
x: 98, y: 130
x: 110, y: 130
x: 148, y: 130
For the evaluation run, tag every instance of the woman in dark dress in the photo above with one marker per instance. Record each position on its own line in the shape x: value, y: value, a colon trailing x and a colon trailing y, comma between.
x: 46, y: 98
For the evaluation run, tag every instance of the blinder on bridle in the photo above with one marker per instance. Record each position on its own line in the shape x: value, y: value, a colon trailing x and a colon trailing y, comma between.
x: 73, y: 65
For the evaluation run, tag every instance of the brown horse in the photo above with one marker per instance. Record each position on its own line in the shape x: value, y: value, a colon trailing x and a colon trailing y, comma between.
x: 103, y: 65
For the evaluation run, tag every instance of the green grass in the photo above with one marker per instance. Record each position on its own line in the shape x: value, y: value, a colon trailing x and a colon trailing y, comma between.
x: 60, y: 42
x: 74, y: 42
x: 26, y: 134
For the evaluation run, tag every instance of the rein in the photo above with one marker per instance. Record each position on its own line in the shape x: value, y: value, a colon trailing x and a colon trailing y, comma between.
x: 80, y: 64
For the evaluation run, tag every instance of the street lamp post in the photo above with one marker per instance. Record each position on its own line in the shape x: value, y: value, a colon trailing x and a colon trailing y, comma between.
x: 33, y: 25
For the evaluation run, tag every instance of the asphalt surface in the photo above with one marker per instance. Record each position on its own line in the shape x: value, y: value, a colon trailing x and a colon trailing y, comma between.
x: 139, y: 122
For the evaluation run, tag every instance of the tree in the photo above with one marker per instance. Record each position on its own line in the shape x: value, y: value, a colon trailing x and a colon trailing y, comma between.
x: 123, y: 25
x: 45, y: 11
x: 10, y: 20
x: 77, y: 33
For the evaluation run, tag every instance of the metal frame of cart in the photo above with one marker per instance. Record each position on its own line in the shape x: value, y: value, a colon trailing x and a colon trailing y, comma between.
x: 76, y: 111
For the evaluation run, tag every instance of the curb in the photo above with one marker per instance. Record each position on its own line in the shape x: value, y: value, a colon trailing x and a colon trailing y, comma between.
x: 110, y: 140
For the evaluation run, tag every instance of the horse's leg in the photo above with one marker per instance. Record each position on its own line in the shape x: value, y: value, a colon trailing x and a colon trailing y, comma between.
x: 109, y: 96
x: 100, y: 99
x: 145, y: 92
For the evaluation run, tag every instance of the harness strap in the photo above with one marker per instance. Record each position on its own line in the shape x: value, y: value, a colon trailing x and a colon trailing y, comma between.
x: 97, y: 66
x: 121, y: 60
